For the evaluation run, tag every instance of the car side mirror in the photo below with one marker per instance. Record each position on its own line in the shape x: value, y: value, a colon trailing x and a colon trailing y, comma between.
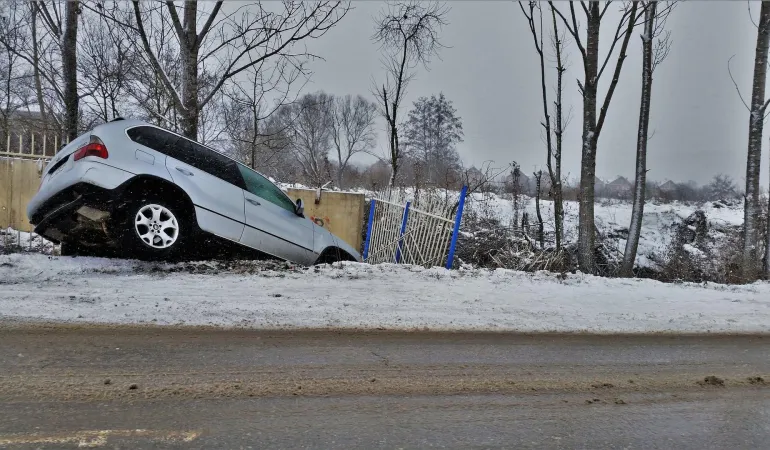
x: 299, y: 209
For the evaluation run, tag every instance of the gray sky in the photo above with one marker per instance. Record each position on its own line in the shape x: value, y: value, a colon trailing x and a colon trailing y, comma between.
x: 490, y: 71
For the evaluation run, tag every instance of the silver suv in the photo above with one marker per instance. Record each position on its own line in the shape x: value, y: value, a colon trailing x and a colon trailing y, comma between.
x: 150, y: 193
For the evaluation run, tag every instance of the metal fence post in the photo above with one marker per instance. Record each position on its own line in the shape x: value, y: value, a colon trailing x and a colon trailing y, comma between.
x: 369, y: 224
x: 403, y: 229
x: 456, y: 230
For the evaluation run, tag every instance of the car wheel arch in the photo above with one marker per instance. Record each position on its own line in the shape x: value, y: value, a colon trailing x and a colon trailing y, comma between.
x: 158, y: 186
x: 332, y: 254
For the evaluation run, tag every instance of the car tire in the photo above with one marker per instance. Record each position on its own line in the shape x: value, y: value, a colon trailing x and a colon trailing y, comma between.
x: 153, y: 228
x: 69, y: 249
x: 333, y: 255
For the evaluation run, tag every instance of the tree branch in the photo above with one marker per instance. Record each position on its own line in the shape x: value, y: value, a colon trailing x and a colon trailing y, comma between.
x: 177, y: 23
x: 737, y: 89
x: 153, y: 59
x: 207, y: 26
x: 618, y: 68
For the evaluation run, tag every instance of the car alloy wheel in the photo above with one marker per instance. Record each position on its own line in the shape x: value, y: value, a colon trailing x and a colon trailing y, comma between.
x: 156, y: 226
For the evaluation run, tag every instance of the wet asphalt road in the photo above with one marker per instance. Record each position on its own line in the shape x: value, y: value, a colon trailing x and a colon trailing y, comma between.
x: 70, y: 387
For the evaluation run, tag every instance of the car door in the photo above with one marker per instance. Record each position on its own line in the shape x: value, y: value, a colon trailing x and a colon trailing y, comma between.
x: 214, y: 185
x: 272, y: 226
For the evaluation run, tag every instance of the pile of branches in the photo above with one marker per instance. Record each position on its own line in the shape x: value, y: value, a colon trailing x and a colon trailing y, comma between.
x: 488, y: 244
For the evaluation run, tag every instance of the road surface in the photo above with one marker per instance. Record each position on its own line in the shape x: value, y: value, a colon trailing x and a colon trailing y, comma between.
x: 123, y: 387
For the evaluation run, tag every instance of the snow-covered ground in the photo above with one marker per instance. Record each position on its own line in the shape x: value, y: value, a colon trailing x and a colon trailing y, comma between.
x: 613, y: 218
x: 269, y: 295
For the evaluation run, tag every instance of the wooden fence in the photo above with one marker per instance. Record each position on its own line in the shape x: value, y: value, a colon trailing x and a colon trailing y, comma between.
x: 19, y: 182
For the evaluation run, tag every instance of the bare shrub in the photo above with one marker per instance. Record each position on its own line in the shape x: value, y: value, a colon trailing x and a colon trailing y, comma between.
x: 698, y: 254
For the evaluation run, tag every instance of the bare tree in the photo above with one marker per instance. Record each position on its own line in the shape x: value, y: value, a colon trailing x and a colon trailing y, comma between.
x: 308, y: 125
x: 652, y: 55
x: 39, y: 48
x: 721, y: 187
x: 104, y: 66
x: 408, y: 34
x: 43, y: 52
x: 749, y: 257
x: 352, y: 130
x: 554, y: 168
x: 534, y: 16
x: 14, y: 74
x: 257, y: 134
x: 593, y: 123
x: 228, y: 44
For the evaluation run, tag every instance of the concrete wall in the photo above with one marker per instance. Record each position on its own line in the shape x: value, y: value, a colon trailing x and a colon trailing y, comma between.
x: 19, y: 181
x: 342, y: 213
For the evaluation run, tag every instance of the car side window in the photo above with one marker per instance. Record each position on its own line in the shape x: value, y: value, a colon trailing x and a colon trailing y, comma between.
x: 156, y: 139
x: 188, y: 152
x: 211, y: 162
x: 262, y: 187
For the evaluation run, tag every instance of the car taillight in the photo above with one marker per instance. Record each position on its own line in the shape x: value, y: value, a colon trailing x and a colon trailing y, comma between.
x: 95, y: 147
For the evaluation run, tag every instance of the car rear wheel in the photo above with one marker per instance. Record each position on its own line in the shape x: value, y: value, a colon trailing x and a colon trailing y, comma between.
x: 154, y: 228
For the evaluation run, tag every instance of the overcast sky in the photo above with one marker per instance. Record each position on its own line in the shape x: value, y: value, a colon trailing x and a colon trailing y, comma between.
x: 490, y: 71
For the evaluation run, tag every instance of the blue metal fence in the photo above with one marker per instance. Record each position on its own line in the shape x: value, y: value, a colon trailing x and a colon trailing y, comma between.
x: 421, y: 231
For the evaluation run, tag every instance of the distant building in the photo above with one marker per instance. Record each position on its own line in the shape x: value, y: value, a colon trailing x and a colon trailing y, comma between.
x: 620, y: 188
x: 599, y: 184
x: 669, y: 187
x: 524, y: 183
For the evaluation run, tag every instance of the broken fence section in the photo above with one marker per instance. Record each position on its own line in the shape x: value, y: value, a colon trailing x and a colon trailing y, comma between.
x: 421, y: 231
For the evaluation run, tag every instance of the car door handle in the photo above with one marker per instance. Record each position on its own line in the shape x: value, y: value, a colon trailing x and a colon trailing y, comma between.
x: 185, y: 171
x: 253, y: 202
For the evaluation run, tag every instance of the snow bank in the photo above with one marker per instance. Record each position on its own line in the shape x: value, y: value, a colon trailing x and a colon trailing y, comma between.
x: 278, y: 295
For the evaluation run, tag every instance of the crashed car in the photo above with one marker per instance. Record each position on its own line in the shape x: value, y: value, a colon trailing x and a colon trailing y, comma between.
x: 149, y: 193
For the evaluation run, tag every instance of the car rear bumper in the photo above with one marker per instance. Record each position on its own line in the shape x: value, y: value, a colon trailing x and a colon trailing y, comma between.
x: 68, y: 211
x: 85, y: 171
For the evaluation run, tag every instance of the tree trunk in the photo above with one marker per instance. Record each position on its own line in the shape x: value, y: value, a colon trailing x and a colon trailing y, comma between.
x: 586, y: 236
x: 394, y: 150
x: 340, y: 177
x: 749, y: 260
x: 552, y: 155
x: 632, y: 243
x: 69, y: 69
x: 189, y: 49
x: 516, y: 194
x: 540, y: 232
x: 36, y: 67
x: 558, y: 203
